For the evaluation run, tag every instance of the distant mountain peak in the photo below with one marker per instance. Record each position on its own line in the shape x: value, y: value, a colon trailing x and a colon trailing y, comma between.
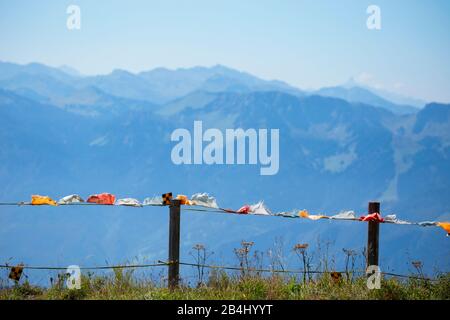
x: 361, y: 94
x: 122, y: 74
x: 221, y: 67
x: 121, y: 71
x: 350, y: 83
x: 391, y: 96
x: 70, y: 71
x: 36, y: 65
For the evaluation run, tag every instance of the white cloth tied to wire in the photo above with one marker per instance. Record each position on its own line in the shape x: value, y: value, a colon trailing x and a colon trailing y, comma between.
x: 259, y: 208
x: 73, y: 198
x: 392, y: 218
x: 128, y: 202
x: 287, y: 214
x: 154, y: 201
x: 345, y: 215
x: 204, y: 200
x: 427, y: 223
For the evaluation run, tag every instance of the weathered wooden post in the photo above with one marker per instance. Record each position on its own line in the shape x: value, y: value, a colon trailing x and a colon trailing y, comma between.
x: 174, y: 243
x: 373, y: 236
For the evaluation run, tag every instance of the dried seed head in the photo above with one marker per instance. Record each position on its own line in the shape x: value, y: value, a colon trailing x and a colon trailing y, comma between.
x: 301, y: 246
x: 247, y: 244
x: 198, y: 246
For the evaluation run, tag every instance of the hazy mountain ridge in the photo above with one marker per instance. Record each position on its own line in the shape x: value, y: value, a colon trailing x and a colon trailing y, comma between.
x: 358, y: 94
x: 162, y: 86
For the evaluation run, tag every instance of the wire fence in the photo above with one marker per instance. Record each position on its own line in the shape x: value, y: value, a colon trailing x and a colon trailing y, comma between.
x: 220, y: 267
x: 197, y: 265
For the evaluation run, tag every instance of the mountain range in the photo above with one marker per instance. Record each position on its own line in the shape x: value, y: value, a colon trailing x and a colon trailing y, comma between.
x: 63, y: 133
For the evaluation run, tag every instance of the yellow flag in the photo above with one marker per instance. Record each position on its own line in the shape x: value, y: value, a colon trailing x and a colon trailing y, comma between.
x: 37, y: 200
x: 445, y: 226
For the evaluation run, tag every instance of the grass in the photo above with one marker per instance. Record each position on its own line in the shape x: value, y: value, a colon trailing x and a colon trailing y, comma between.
x: 244, y: 284
x: 221, y: 285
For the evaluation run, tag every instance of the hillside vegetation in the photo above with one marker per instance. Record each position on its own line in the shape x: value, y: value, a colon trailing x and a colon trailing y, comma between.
x: 249, y: 281
x: 222, y: 286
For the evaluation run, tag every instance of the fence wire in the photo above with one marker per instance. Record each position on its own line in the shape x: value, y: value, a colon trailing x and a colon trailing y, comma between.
x: 219, y: 267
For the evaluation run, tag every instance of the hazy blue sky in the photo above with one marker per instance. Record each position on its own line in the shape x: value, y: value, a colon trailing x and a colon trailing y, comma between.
x: 309, y: 44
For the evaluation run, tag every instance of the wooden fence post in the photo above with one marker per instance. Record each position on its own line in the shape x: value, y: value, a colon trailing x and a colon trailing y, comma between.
x: 174, y: 243
x: 373, y: 236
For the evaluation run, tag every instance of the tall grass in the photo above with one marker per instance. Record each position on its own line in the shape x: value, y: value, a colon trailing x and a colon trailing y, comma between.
x: 245, y: 283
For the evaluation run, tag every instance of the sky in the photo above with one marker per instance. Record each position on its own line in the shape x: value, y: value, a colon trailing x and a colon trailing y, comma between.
x: 309, y: 44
